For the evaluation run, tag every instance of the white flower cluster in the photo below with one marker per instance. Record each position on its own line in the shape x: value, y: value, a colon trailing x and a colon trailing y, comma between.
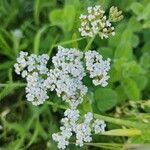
x: 95, y: 22
x: 66, y: 77
x: 99, y: 126
x: 72, y: 125
x: 97, y: 67
x: 33, y: 68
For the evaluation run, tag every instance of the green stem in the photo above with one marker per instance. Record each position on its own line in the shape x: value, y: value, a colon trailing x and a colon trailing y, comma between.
x: 12, y: 84
x: 68, y: 42
x: 38, y: 36
x: 111, y: 146
x: 121, y: 121
x: 89, y: 43
x: 52, y: 46
x: 63, y: 43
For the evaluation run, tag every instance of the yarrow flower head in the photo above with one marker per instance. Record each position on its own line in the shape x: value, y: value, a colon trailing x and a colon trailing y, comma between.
x: 115, y: 15
x: 33, y: 68
x: 95, y: 22
x: 97, y: 67
x: 99, y: 126
x: 66, y: 77
x: 82, y: 130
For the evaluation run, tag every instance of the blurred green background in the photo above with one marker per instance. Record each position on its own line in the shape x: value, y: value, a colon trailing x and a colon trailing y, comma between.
x: 38, y: 26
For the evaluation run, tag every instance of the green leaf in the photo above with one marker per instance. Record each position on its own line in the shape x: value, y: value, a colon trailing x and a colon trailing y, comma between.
x: 124, y: 48
x: 63, y: 18
x: 5, y: 48
x: 146, y: 12
x: 130, y: 88
x: 115, y: 74
x: 134, y: 25
x: 123, y: 132
x: 37, y: 5
x: 143, y: 12
x: 56, y: 17
x: 38, y: 35
x: 114, y: 40
x: 107, y: 146
x: 138, y: 9
x: 146, y: 24
x: 135, y: 41
x: 145, y: 60
x: 74, y: 38
x: 141, y: 81
x: 105, y: 99
x: 106, y: 52
x: 131, y: 69
x: 146, y: 47
x: 86, y: 107
x: 6, y: 65
x: 120, y: 121
x: 121, y: 94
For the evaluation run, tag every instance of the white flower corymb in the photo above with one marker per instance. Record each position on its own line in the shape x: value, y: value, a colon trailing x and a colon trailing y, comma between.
x: 95, y: 22
x: 97, y: 67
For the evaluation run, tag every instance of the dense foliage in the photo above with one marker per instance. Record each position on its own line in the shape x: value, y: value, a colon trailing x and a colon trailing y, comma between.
x: 39, y: 26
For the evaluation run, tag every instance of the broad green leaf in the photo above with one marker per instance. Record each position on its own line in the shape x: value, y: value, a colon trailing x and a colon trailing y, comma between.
x: 121, y: 94
x: 146, y: 12
x: 145, y: 60
x: 135, y: 41
x: 146, y: 34
x: 106, y: 52
x: 142, y: 12
x: 118, y: 65
x: 115, y: 74
x: 146, y: 47
x: 124, y: 50
x: 131, y: 69
x: 113, y: 41
x: 63, y: 18
x: 125, y: 5
x: 131, y: 89
x: 138, y: 9
x: 86, y: 107
x: 105, y: 98
x: 134, y: 25
x: 56, y: 17
x: 141, y: 81
x: 146, y: 24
